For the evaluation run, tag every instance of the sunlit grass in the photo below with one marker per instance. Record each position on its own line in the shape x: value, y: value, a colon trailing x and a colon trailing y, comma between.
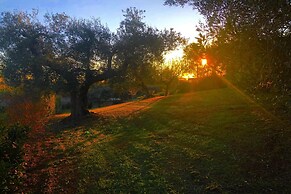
x: 208, y: 141
x: 211, y: 141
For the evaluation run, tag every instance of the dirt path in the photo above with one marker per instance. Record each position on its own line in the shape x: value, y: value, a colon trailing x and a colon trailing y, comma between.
x: 121, y: 110
x: 50, y: 157
x: 126, y: 109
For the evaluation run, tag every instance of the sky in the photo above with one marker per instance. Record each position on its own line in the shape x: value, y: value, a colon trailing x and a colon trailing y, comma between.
x: 183, y: 20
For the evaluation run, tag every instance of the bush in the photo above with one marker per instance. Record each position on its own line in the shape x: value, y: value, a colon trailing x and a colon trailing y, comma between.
x: 209, y: 83
x: 205, y: 83
x: 11, y: 143
x: 30, y: 112
x: 184, y: 87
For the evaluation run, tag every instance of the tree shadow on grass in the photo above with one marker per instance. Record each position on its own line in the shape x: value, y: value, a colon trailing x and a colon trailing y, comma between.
x: 51, y: 159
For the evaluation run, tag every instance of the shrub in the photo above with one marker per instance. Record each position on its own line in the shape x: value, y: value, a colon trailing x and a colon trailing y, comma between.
x: 28, y: 111
x: 208, y: 83
x: 205, y: 83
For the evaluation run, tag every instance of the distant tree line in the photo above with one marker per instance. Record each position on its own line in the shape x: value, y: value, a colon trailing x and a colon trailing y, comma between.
x: 65, y: 54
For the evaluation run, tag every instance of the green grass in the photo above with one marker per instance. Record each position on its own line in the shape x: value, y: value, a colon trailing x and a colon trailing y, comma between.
x: 211, y: 141
x: 3, y: 118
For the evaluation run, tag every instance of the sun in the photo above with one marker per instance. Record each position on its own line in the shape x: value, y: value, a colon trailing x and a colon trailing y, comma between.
x: 204, y: 62
x: 173, y: 55
x: 187, y: 76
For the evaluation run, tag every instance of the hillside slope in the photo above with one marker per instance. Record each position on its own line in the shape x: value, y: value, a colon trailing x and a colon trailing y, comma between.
x: 211, y: 141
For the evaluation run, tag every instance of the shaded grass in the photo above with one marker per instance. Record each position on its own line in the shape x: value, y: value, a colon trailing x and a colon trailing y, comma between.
x: 3, y: 118
x: 211, y: 141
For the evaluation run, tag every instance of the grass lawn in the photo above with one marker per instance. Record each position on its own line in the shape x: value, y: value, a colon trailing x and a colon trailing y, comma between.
x: 212, y: 141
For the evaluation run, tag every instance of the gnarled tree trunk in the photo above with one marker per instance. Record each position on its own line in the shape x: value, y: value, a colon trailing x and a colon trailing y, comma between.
x: 79, y: 102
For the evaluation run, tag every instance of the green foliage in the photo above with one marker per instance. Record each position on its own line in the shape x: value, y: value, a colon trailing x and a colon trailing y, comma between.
x: 66, y: 54
x: 63, y: 54
x: 22, y: 42
x: 251, y: 39
x: 169, y: 74
x: 140, y: 47
x: 11, y: 142
x: 202, y: 49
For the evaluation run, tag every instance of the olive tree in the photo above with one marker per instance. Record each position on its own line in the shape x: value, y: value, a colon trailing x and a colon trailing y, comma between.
x: 63, y: 54
x: 70, y: 55
x: 140, y: 48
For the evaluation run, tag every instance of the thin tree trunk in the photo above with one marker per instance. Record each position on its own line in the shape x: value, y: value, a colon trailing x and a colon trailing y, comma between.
x: 167, y: 89
x: 142, y: 84
x: 145, y: 89
x: 167, y: 84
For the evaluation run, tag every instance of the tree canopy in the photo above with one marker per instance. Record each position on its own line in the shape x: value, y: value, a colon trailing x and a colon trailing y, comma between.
x: 251, y: 38
x: 63, y: 54
x: 69, y: 55
x: 140, y: 47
